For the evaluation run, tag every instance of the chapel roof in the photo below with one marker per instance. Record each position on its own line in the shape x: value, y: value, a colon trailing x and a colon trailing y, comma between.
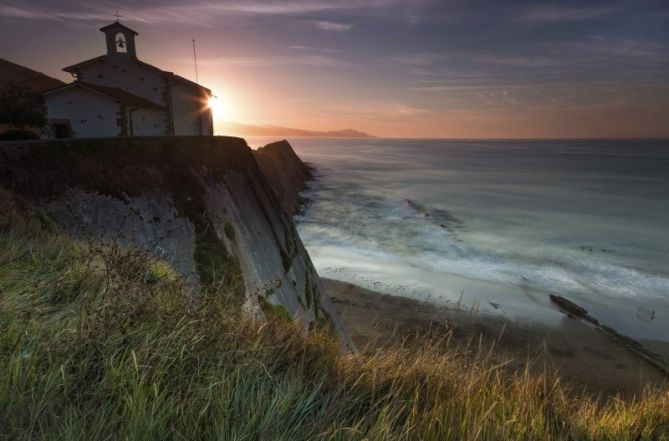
x: 114, y: 93
x: 12, y: 72
x: 102, y: 58
x: 73, y: 68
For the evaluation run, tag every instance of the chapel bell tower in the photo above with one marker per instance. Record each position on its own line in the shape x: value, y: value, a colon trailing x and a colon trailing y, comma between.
x: 120, y: 40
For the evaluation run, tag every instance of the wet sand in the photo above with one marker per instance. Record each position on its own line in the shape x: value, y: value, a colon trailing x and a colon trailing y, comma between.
x: 584, y: 356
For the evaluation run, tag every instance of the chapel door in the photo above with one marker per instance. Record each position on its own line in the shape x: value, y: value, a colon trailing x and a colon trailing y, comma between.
x: 62, y: 130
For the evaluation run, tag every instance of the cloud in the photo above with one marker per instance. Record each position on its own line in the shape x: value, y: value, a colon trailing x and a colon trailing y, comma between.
x: 202, y: 12
x: 404, y: 110
x: 332, y: 26
x: 24, y: 12
x: 271, y: 60
x: 420, y: 59
x: 483, y: 84
x: 555, y: 13
x: 386, y: 109
x: 315, y: 49
x: 501, y: 98
x: 521, y: 61
x: 295, y: 6
x: 213, y: 13
x: 615, y: 47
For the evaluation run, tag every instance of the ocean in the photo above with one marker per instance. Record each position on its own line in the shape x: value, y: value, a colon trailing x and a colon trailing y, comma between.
x: 496, y: 226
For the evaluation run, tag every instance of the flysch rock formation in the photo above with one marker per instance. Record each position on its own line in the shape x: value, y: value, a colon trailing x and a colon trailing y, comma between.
x: 185, y: 200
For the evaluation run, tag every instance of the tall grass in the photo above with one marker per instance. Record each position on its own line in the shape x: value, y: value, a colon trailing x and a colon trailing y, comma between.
x: 100, y: 343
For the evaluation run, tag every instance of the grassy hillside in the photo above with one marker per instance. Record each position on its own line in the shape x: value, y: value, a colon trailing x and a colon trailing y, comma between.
x: 106, y: 343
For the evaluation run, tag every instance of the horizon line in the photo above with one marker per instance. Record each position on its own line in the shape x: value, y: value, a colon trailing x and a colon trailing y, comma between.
x: 631, y: 138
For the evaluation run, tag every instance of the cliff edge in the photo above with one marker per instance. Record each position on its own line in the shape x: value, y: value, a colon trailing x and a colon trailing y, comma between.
x: 201, y: 203
x: 285, y: 171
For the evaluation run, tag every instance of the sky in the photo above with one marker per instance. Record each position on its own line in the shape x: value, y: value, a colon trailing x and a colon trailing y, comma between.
x: 392, y: 68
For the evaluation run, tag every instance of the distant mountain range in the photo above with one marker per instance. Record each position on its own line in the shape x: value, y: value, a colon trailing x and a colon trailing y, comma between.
x: 269, y: 130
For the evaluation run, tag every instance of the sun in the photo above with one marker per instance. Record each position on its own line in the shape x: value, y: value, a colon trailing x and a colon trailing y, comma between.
x: 220, y: 107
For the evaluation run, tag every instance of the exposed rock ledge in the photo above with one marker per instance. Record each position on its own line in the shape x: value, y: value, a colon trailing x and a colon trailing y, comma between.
x: 187, y: 200
x: 575, y: 311
x: 285, y: 171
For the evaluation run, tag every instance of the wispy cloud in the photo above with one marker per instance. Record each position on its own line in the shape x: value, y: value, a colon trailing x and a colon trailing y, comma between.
x: 502, y: 98
x: 556, y: 13
x: 387, y: 109
x: 202, y: 12
x: 521, y: 61
x: 271, y: 60
x: 24, y: 11
x: 315, y: 49
x: 295, y: 6
x: 484, y: 85
x: 333, y: 26
x: 418, y: 59
x: 614, y: 47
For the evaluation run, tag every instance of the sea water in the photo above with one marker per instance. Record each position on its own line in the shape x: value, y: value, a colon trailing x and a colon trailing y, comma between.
x: 497, y: 225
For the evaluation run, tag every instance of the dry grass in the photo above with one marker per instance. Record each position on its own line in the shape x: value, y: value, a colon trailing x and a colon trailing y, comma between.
x: 109, y: 344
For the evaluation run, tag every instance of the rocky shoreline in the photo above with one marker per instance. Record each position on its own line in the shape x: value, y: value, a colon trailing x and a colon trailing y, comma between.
x: 585, y: 356
x: 574, y: 311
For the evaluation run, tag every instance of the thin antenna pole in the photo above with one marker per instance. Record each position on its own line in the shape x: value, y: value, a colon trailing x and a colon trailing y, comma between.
x: 197, y: 79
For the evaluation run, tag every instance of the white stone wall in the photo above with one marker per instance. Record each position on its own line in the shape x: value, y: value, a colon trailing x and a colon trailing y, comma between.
x: 148, y: 122
x: 208, y: 122
x: 90, y: 115
x: 187, y: 108
x: 127, y: 74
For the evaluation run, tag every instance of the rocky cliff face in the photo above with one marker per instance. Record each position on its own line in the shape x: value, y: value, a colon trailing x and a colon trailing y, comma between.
x: 286, y: 173
x: 199, y: 203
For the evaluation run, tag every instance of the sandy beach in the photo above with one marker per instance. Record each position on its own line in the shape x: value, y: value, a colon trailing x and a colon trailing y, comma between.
x: 583, y: 355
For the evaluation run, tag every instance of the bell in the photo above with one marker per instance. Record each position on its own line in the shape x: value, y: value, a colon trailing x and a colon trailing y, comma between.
x: 120, y: 43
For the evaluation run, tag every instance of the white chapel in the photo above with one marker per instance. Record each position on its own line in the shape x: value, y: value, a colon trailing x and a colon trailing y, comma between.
x: 118, y: 95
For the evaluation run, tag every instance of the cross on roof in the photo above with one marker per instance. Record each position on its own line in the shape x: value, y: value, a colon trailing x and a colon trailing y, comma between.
x: 117, y: 15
